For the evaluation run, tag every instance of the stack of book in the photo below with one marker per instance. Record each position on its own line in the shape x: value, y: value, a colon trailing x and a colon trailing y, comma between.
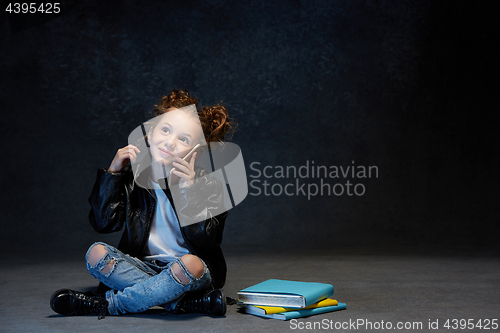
x: 284, y: 300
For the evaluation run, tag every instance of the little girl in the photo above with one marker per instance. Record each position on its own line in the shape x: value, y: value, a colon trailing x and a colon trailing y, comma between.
x: 160, y: 260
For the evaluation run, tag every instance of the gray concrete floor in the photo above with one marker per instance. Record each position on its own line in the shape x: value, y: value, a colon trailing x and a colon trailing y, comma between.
x: 376, y: 288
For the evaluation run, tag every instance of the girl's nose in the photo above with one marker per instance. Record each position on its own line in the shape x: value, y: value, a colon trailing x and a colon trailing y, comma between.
x: 170, y: 142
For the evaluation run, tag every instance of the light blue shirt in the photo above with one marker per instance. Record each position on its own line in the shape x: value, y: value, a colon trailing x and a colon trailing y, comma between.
x: 165, y: 241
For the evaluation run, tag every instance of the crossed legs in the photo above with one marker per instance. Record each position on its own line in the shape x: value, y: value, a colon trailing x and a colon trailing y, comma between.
x: 136, y: 286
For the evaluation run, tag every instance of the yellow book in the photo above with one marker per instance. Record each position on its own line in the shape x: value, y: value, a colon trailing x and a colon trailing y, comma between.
x: 266, y: 310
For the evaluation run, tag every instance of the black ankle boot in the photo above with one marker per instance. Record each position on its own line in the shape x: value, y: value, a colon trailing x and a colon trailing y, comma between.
x: 211, y: 302
x: 74, y: 303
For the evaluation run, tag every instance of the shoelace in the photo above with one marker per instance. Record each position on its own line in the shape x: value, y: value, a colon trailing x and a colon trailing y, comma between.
x: 92, y: 305
x: 195, y: 305
x: 231, y: 301
x: 102, y: 314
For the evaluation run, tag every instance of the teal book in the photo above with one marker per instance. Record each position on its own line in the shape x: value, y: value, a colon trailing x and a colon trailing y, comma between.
x: 301, y: 313
x: 285, y: 293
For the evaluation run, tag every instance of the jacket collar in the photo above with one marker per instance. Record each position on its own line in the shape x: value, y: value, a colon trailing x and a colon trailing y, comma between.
x: 143, y: 176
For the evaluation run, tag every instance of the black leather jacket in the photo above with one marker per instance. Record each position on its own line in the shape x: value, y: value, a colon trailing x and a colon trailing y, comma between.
x: 118, y: 202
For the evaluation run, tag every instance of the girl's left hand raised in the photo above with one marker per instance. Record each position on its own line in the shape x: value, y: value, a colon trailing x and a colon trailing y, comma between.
x: 184, y: 170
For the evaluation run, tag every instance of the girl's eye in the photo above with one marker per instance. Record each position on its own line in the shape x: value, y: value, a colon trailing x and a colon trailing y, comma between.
x: 166, y: 130
x: 184, y: 140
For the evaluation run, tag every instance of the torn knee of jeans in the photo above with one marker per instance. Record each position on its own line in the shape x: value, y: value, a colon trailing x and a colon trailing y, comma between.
x: 106, y: 266
x: 108, y: 269
x: 178, y: 274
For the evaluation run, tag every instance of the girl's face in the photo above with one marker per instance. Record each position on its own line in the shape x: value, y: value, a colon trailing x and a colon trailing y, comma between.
x: 173, y: 136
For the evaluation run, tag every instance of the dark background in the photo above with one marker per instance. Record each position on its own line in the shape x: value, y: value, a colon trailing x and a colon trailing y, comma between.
x: 408, y: 86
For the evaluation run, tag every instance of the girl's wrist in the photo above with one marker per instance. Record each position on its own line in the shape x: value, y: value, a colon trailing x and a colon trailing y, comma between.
x: 111, y: 171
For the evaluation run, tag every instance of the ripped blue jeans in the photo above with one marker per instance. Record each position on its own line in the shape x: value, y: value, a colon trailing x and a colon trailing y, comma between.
x: 136, y: 285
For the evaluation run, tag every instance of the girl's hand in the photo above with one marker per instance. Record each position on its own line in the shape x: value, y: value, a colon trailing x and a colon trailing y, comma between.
x: 184, y: 170
x: 123, y: 156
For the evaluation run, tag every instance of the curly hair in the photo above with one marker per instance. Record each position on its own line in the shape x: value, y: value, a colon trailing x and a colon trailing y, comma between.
x: 214, y: 120
x: 176, y: 99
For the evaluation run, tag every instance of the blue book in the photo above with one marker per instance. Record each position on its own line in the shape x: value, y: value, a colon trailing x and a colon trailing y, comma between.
x: 291, y: 294
x: 301, y: 313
